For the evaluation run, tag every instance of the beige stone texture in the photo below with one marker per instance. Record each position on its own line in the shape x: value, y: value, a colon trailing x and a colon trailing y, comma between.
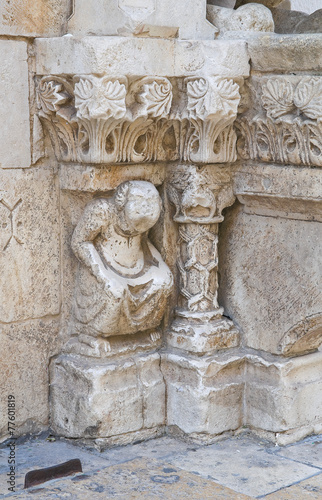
x: 144, y: 57
x: 25, y: 352
x: 29, y: 251
x: 162, y: 18
x: 97, y: 399
x: 34, y: 17
x: 285, y: 53
x: 270, y: 266
x: 252, y: 18
x: 204, y: 395
x: 14, y: 105
x: 284, y: 394
x: 138, y: 479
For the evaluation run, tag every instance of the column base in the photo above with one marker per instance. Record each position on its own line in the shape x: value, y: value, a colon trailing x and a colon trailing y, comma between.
x: 202, y: 333
x: 284, y: 395
x: 107, y: 399
x: 205, y: 394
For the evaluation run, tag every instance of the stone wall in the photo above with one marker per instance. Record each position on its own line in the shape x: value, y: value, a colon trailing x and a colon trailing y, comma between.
x: 160, y: 230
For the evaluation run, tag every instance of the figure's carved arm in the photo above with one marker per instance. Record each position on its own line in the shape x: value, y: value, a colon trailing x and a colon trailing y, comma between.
x: 88, y: 227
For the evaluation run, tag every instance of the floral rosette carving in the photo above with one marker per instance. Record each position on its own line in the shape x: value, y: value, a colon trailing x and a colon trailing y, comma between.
x: 97, y: 98
x: 50, y: 96
x: 282, y: 97
x: 210, y: 97
x: 156, y: 97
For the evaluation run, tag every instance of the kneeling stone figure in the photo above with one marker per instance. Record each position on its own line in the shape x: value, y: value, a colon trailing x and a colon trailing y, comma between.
x: 122, y: 283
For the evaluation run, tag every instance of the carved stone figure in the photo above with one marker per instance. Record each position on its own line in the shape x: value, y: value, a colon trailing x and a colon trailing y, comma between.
x: 122, y: 283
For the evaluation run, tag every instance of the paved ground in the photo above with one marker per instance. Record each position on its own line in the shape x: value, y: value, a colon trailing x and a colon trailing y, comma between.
x: 238, y: 468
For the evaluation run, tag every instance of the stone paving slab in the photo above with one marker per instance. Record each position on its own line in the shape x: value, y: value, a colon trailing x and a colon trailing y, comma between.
x: 141, y: 478
x: 244, y: 465
x: 39, y: 454
x: 311, y: 489
x: 247, y: 466
x: 308, y: 451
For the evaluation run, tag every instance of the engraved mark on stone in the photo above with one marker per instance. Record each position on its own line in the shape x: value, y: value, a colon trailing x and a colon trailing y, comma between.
x: 11, y: 210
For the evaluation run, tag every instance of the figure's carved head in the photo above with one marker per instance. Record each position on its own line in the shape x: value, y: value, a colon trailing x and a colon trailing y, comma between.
x: 138, y: 206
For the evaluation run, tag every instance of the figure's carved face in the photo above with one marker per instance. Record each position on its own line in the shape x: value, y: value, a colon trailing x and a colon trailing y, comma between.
x: 141, y: 210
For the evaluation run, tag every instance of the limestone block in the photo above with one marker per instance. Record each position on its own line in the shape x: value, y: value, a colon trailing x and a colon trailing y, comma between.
x: 29, y: 245
x: 204, y: 395
x: 34, y: 17
x: 285, y: 53
x: 140, y: 57
x: 162, y: 18
x: 25, y: 351
x: 98, y: 400
x: 14, y: 105
x: 270, y: 277
x: 283, y: 395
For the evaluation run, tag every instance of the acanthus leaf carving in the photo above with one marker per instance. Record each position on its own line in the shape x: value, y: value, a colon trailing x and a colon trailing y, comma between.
x: 99, y: 98
x: 156, y: 97
x: 291, y: 131
x: 99, y: 119
x: 50, y: 96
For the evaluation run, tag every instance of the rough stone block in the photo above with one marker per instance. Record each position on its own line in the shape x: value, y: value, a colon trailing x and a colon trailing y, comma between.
x: 205, y: 395
x: 14, y: 105
x: 139, y: 57
x: 29, y: 245
x: 93, y: 399
x: 284, y: 394
x: 161, y: 18
x: 34, y: 17
x: 25, y: 351
x: 270, y: 269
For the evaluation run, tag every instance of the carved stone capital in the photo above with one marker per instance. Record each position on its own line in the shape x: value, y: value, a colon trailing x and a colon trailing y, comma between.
x: 103, y: 119
x: 285, y: 124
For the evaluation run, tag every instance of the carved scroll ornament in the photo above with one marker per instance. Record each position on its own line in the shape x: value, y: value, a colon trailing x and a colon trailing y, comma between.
x: 290, y: 131
x: 95, y: 119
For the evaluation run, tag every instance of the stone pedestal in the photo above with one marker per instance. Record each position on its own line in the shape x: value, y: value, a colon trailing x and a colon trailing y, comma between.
x: 123, y: 399
x: 204, y: 395
x: 284, y: 396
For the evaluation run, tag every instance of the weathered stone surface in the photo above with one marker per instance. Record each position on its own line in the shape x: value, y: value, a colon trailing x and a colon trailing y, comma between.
x: 251, y: 17
x: 311, y: 24
x: 14, y: 105
x: 120, y: 56
x: 97, y: 399
x: 34, y: 17
x: 25, y: 352
x: 245, y: 465
x: 267, y: 3
x: 141, y: 18
x: 279, y: 393
x: 204, y: 395
x: 29, y: 245
x: 285, y: 53
x: 286, y: 21
x: 271, y: 291
x: 283, y: 124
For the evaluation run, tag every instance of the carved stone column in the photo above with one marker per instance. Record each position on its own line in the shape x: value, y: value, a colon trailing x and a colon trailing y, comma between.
x: 199, y: 195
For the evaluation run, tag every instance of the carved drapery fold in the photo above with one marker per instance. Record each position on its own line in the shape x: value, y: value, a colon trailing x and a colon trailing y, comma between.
x: 99, y: 119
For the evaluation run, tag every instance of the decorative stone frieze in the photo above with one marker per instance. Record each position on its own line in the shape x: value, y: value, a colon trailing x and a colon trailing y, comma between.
x: 288, y: 129
x: 199, y: 196
x: 99, y: 119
